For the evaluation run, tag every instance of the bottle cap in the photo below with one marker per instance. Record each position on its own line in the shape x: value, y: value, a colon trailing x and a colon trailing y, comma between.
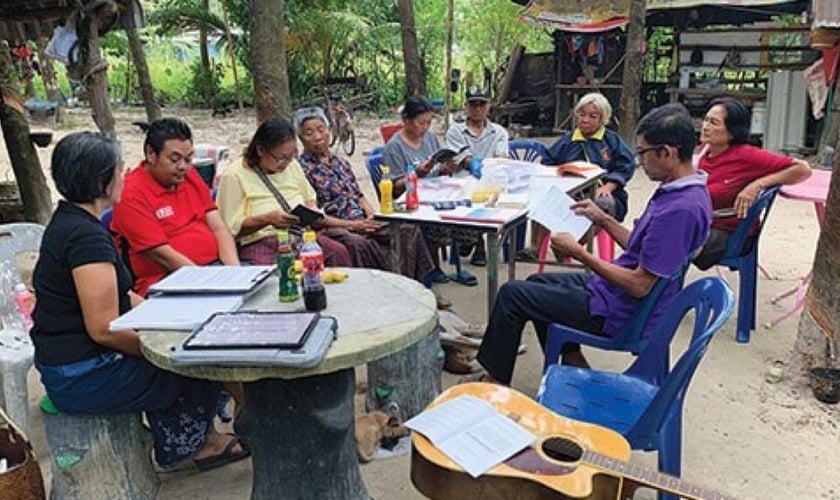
x: 309, y: 236
x: 386, y: 170
x: 282, y: 235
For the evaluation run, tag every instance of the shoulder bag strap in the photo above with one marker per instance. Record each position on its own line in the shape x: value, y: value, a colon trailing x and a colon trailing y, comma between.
x: 273, y: 189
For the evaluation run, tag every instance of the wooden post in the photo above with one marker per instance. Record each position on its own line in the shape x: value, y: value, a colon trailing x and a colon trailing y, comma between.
x: 95, y: 72
x: 628, y: 108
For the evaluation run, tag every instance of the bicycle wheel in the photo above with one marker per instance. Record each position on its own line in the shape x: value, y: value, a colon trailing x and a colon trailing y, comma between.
x: 349, y: 144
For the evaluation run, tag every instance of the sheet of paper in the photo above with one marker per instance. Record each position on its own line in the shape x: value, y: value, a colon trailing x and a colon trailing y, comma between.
x: 431, y: 189
x: 176, y: 312
x: 209, y: 279
x: 472, y: 433
x: 554, y: 211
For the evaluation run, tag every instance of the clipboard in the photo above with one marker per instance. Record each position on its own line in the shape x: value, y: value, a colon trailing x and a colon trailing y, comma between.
x: 212, y: 279
x: 253, y: 330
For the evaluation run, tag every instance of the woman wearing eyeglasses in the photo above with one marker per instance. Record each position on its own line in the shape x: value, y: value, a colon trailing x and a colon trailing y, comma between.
x: 591, y: 141
x: 738, y: 172
x: 257, y: 194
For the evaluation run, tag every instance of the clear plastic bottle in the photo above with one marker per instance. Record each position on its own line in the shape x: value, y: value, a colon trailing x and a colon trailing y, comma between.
x: 412, y: 201
x: 25, y: 302
x: 314, y: 294
x: 386, y: 192
x: 286, y: 268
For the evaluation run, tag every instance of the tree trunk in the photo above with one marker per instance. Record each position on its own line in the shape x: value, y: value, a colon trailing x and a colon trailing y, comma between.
x: 628, y: 108
x: 147, y: 91
x: 49, y: 79
x: 414, y: 79
x: 816, y: 338
x: 450, y: 12
x: 268, y: 60
x: 204, y: 51
x: 96, y: 74
x: 34, y: 193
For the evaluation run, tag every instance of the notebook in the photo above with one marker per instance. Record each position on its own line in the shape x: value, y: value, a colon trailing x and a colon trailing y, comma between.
x: 175, y: 312
x: 253, y: 330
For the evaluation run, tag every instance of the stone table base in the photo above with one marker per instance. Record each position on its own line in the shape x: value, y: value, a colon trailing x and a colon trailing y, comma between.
x: 300, y: 432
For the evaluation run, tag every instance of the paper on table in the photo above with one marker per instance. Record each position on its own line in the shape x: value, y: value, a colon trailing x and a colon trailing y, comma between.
x: 176, y: 312
x: 209, y: 279
x: 472, y: 433
x: 554, y: 212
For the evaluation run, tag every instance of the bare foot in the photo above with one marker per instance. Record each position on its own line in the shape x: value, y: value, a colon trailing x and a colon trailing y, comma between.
x: 216, y: 444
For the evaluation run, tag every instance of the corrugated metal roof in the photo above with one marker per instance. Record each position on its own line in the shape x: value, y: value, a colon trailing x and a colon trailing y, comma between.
x: 826, y: 13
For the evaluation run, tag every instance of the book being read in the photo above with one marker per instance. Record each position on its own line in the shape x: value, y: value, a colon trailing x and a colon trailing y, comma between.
x: 444, y: 155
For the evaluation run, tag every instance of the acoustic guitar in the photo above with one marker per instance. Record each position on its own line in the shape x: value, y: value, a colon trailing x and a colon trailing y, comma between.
x: 570, y: 459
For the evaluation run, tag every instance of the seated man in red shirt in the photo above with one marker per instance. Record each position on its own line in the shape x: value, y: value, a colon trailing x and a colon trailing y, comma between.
x: 166, y: 216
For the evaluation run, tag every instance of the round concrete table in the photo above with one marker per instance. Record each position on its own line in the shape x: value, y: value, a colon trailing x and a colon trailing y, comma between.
x: 299, y: 422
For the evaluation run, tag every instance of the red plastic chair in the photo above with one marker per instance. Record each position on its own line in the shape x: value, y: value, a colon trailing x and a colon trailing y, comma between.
x: 388, y: 130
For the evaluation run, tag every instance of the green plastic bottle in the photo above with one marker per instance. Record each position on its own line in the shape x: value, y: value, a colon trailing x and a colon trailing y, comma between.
x: 286, y: 268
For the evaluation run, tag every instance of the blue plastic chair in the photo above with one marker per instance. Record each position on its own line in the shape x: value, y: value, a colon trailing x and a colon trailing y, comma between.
x: 106, y: 217
x: 373, y: 163
x: 649, y: 415
x: 631, y: 339
x: 378, y: 150
x: 746, y: 264
x: 525, y: 150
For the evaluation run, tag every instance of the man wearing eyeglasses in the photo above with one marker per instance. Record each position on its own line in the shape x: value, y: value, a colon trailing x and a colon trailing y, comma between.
x: 675, y: 223
x: 167, y: 218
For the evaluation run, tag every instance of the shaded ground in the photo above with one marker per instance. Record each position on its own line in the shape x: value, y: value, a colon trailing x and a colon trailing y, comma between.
x: 742, y: 435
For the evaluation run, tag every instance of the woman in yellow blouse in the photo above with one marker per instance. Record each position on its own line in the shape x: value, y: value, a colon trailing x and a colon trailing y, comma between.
x: 251, y: 209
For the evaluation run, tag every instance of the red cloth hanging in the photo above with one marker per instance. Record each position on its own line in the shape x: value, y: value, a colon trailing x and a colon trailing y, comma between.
x: 830, y: 60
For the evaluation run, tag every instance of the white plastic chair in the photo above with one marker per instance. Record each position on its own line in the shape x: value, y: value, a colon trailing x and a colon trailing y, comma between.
x: 16, y: 349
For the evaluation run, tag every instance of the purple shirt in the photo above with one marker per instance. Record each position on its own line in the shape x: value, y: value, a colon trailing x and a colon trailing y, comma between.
x: 674, y: 225
x: 335, y: 185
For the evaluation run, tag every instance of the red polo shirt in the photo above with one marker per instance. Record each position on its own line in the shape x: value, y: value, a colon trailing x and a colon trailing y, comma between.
x: 732, y: 170
x: 148, y: 216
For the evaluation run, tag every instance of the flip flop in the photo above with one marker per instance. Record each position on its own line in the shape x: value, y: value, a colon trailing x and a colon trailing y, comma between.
x: 227, y: 456
x: 464, y: 277
x: 438, y: 276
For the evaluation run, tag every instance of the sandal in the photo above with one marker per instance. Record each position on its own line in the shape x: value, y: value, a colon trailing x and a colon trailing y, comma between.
x: 437, y: 276
x: 464, y: 277
x: 227, y: 456
x: 474, y: 330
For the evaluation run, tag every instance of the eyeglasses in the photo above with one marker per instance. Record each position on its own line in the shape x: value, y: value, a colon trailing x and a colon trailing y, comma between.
x: 281, y: 160
x: 640, y: 153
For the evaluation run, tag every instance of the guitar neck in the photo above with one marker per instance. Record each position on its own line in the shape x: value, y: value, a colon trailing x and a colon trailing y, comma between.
x: 649, y: 477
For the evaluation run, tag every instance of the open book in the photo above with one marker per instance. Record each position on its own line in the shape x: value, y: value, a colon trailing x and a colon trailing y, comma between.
x: 307, y: 215
x: 444, y: 155
x: 472, y: 433
x: 554, y: 212
x: 578, y: 169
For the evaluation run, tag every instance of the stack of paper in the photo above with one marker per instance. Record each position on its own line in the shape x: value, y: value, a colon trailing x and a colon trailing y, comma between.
x: 472, y: 433
x: 554, y: 212
x: 187, y: 297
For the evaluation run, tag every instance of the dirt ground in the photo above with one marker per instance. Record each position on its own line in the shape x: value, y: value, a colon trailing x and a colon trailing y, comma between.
x: 742, y: 435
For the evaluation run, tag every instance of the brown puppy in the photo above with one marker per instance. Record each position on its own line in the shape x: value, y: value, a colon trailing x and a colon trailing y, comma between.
x: 372, y: 429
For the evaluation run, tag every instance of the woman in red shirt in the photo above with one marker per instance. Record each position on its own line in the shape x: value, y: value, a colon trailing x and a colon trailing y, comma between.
x: 738, y: 172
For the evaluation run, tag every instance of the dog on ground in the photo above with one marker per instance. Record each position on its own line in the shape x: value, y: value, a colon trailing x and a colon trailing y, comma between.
x: 377, y: 429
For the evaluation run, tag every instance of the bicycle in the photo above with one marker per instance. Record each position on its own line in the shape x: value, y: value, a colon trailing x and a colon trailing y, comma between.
x: 341, y: 125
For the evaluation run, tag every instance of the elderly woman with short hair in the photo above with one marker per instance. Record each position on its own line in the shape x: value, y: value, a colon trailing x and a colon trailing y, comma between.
x: 82, y: 285
x: 340, y: 197
x: 591, y: 141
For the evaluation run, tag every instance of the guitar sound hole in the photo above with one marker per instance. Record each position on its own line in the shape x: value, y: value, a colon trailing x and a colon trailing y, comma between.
x: 562, y: 449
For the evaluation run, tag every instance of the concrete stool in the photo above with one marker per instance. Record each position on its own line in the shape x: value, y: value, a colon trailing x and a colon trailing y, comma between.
x: 99, y: 456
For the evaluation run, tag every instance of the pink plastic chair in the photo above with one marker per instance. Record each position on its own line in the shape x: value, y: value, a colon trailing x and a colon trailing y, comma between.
x: 606, y: 248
